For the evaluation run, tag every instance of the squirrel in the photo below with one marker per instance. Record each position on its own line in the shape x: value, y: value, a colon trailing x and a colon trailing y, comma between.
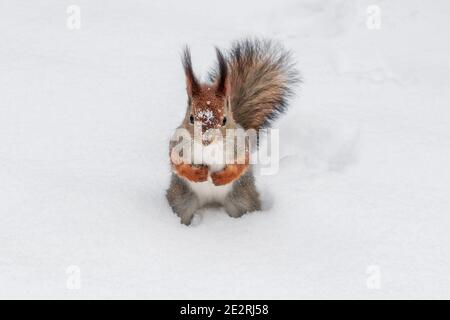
x: 248, y: 89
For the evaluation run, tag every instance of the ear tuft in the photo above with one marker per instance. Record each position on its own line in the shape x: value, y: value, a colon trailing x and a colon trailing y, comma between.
x: 222, y: 77
x: 192, y: 85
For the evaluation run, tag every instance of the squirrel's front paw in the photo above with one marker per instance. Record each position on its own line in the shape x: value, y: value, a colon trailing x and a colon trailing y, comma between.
x: 200, y: 173
x: 228, y: 174
x: 193, y: 173
x: 220, y: 178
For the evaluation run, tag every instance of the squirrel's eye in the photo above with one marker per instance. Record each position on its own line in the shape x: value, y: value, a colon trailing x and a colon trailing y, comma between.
x: 224, y: 121
x: 191, y: 119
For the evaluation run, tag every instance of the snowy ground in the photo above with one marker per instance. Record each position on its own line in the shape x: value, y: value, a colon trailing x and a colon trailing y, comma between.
x: 360, y: 207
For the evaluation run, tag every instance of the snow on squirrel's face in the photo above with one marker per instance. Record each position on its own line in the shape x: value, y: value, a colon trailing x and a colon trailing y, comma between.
x: 209, y: 111
x: 208, y: 115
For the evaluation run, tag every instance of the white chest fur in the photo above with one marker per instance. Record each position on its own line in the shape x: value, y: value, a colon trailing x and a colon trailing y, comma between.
x: 206, y: 191
x: 211, y: 155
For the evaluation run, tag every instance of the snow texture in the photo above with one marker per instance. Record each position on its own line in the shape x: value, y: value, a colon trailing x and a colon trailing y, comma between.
x: 205, y: 116
x: 360, y: 207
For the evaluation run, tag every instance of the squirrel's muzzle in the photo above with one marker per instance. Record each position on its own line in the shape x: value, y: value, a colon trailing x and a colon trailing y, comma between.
x: 208, y: 136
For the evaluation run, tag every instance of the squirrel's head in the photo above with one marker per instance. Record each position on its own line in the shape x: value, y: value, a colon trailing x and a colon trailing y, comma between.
x: 209, y: 109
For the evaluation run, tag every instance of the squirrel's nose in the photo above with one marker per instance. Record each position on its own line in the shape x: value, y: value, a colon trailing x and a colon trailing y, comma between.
x: 205, y: 128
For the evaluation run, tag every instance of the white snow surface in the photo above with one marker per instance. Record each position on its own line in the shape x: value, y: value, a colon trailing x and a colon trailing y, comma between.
x: 86, y: 118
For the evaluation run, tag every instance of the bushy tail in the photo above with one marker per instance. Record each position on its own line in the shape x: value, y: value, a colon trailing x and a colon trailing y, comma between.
x: 262, y: 76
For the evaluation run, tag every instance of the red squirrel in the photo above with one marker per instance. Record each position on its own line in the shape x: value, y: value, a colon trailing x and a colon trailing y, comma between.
x: 248, y: 89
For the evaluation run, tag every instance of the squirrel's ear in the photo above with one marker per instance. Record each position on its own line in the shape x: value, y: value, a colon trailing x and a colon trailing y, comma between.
x: 222, y: 82
x: 192, y: 85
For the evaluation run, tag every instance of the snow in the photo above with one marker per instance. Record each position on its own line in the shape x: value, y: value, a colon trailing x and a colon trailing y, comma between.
x: 358, y: 209
x: 206, y: 116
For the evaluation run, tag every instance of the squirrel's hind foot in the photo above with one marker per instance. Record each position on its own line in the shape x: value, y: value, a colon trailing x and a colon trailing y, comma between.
x: 182, y: 200
x: 243, y: 198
